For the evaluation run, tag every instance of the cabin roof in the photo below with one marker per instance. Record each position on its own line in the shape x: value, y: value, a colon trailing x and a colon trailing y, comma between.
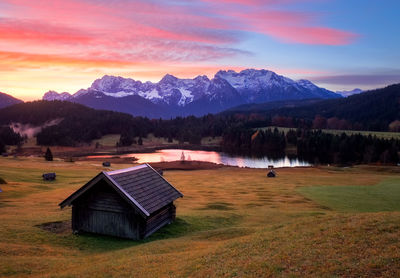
x: 141, y: 186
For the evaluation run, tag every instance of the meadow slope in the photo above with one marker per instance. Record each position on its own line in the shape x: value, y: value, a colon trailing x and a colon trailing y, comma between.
x: 231, y: 222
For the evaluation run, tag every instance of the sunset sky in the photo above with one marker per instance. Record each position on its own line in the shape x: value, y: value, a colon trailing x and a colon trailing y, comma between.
x: 65, y: 45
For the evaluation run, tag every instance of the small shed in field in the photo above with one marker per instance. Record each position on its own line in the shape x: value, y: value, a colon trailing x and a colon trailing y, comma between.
x: 130, y: 203
x: 271, y: 174
x: 49, y: 176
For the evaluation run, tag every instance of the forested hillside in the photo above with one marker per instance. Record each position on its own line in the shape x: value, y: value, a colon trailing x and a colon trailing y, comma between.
x: 374, y: 110
x: 77, y: 123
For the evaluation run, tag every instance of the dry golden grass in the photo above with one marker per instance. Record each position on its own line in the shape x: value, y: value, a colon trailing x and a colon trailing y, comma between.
x: 231, y: 223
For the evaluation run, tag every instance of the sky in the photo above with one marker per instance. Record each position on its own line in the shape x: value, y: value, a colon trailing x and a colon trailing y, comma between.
x: 65, y: 45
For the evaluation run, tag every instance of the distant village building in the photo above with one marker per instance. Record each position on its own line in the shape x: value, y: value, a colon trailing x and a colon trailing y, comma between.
x: 49, y: 176
x: 130, y: 203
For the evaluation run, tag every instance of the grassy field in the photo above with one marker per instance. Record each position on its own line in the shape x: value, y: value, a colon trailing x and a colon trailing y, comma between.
x: 231, y: 222
x: 384, y: 196
x: 379, y: 134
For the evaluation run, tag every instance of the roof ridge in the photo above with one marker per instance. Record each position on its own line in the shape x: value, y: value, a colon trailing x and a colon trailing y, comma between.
x: 125, y: 170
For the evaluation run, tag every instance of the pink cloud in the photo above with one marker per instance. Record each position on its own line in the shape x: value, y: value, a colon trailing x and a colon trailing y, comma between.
x: 44, y: 33
x: 289, y: 26
x: 310, y: 35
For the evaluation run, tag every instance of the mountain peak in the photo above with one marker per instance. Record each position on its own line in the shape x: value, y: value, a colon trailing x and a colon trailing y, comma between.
x: 202, y: 78
x: 168, y: 78
x: 53, y: 95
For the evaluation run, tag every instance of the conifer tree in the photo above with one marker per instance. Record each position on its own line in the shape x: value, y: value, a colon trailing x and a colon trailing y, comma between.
x: 48, y: 156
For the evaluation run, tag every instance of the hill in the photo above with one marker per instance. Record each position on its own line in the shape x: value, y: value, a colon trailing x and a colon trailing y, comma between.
x: 7, y: 100
x: 267, y: 106
x: 372, y: 110
x: 67, y: 123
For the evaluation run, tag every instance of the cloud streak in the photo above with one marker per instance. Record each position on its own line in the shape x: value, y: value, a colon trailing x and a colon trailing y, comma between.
x: 376, y: 79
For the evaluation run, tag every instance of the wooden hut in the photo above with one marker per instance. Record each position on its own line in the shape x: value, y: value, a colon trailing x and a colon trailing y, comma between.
x: 49, y: 176
x: 271, y: 174
x: 130, y: 203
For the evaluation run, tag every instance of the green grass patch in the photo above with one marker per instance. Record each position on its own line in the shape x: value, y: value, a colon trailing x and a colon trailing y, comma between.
x: 218, y: 206
x: 191, y: 224
x: 384, y: 196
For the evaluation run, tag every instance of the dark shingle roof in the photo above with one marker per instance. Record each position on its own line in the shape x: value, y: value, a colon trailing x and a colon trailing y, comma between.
x: 141, y: 185
x: 145, y: 186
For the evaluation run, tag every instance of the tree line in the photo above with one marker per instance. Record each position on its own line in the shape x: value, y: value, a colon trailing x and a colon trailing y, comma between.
x: 313, y: 146
x: 80, y: 125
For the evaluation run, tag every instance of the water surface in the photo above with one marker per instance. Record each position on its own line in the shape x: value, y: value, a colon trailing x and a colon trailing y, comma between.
x: 215, y: 157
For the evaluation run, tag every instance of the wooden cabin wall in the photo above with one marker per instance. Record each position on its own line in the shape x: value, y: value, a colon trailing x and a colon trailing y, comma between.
x: 102, y: 210
x: 158, y: 219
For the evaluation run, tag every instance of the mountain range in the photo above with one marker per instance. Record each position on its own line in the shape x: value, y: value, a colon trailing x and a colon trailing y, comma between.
x: 350, y: 93
x: 173, y: 96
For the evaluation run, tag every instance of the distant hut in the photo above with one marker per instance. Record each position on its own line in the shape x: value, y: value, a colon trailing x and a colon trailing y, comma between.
x: 130, y: 203
x: 49, y: 176
x: 271, y: 173
x: 106, y: 164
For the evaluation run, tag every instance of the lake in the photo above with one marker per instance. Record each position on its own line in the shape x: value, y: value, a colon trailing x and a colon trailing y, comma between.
x: 215, y: 157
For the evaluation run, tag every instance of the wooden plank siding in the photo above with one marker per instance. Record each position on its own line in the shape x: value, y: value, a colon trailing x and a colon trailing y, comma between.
x: 101, y: 210
x: 160, y: 218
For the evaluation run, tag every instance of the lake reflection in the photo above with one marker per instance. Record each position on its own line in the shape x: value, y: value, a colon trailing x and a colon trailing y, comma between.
x: 215, y: 157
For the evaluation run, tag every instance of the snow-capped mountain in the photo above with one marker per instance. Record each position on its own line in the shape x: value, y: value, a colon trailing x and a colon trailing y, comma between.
x: 258, y: 86
x: 173, y: 96
x: 349, y: 93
